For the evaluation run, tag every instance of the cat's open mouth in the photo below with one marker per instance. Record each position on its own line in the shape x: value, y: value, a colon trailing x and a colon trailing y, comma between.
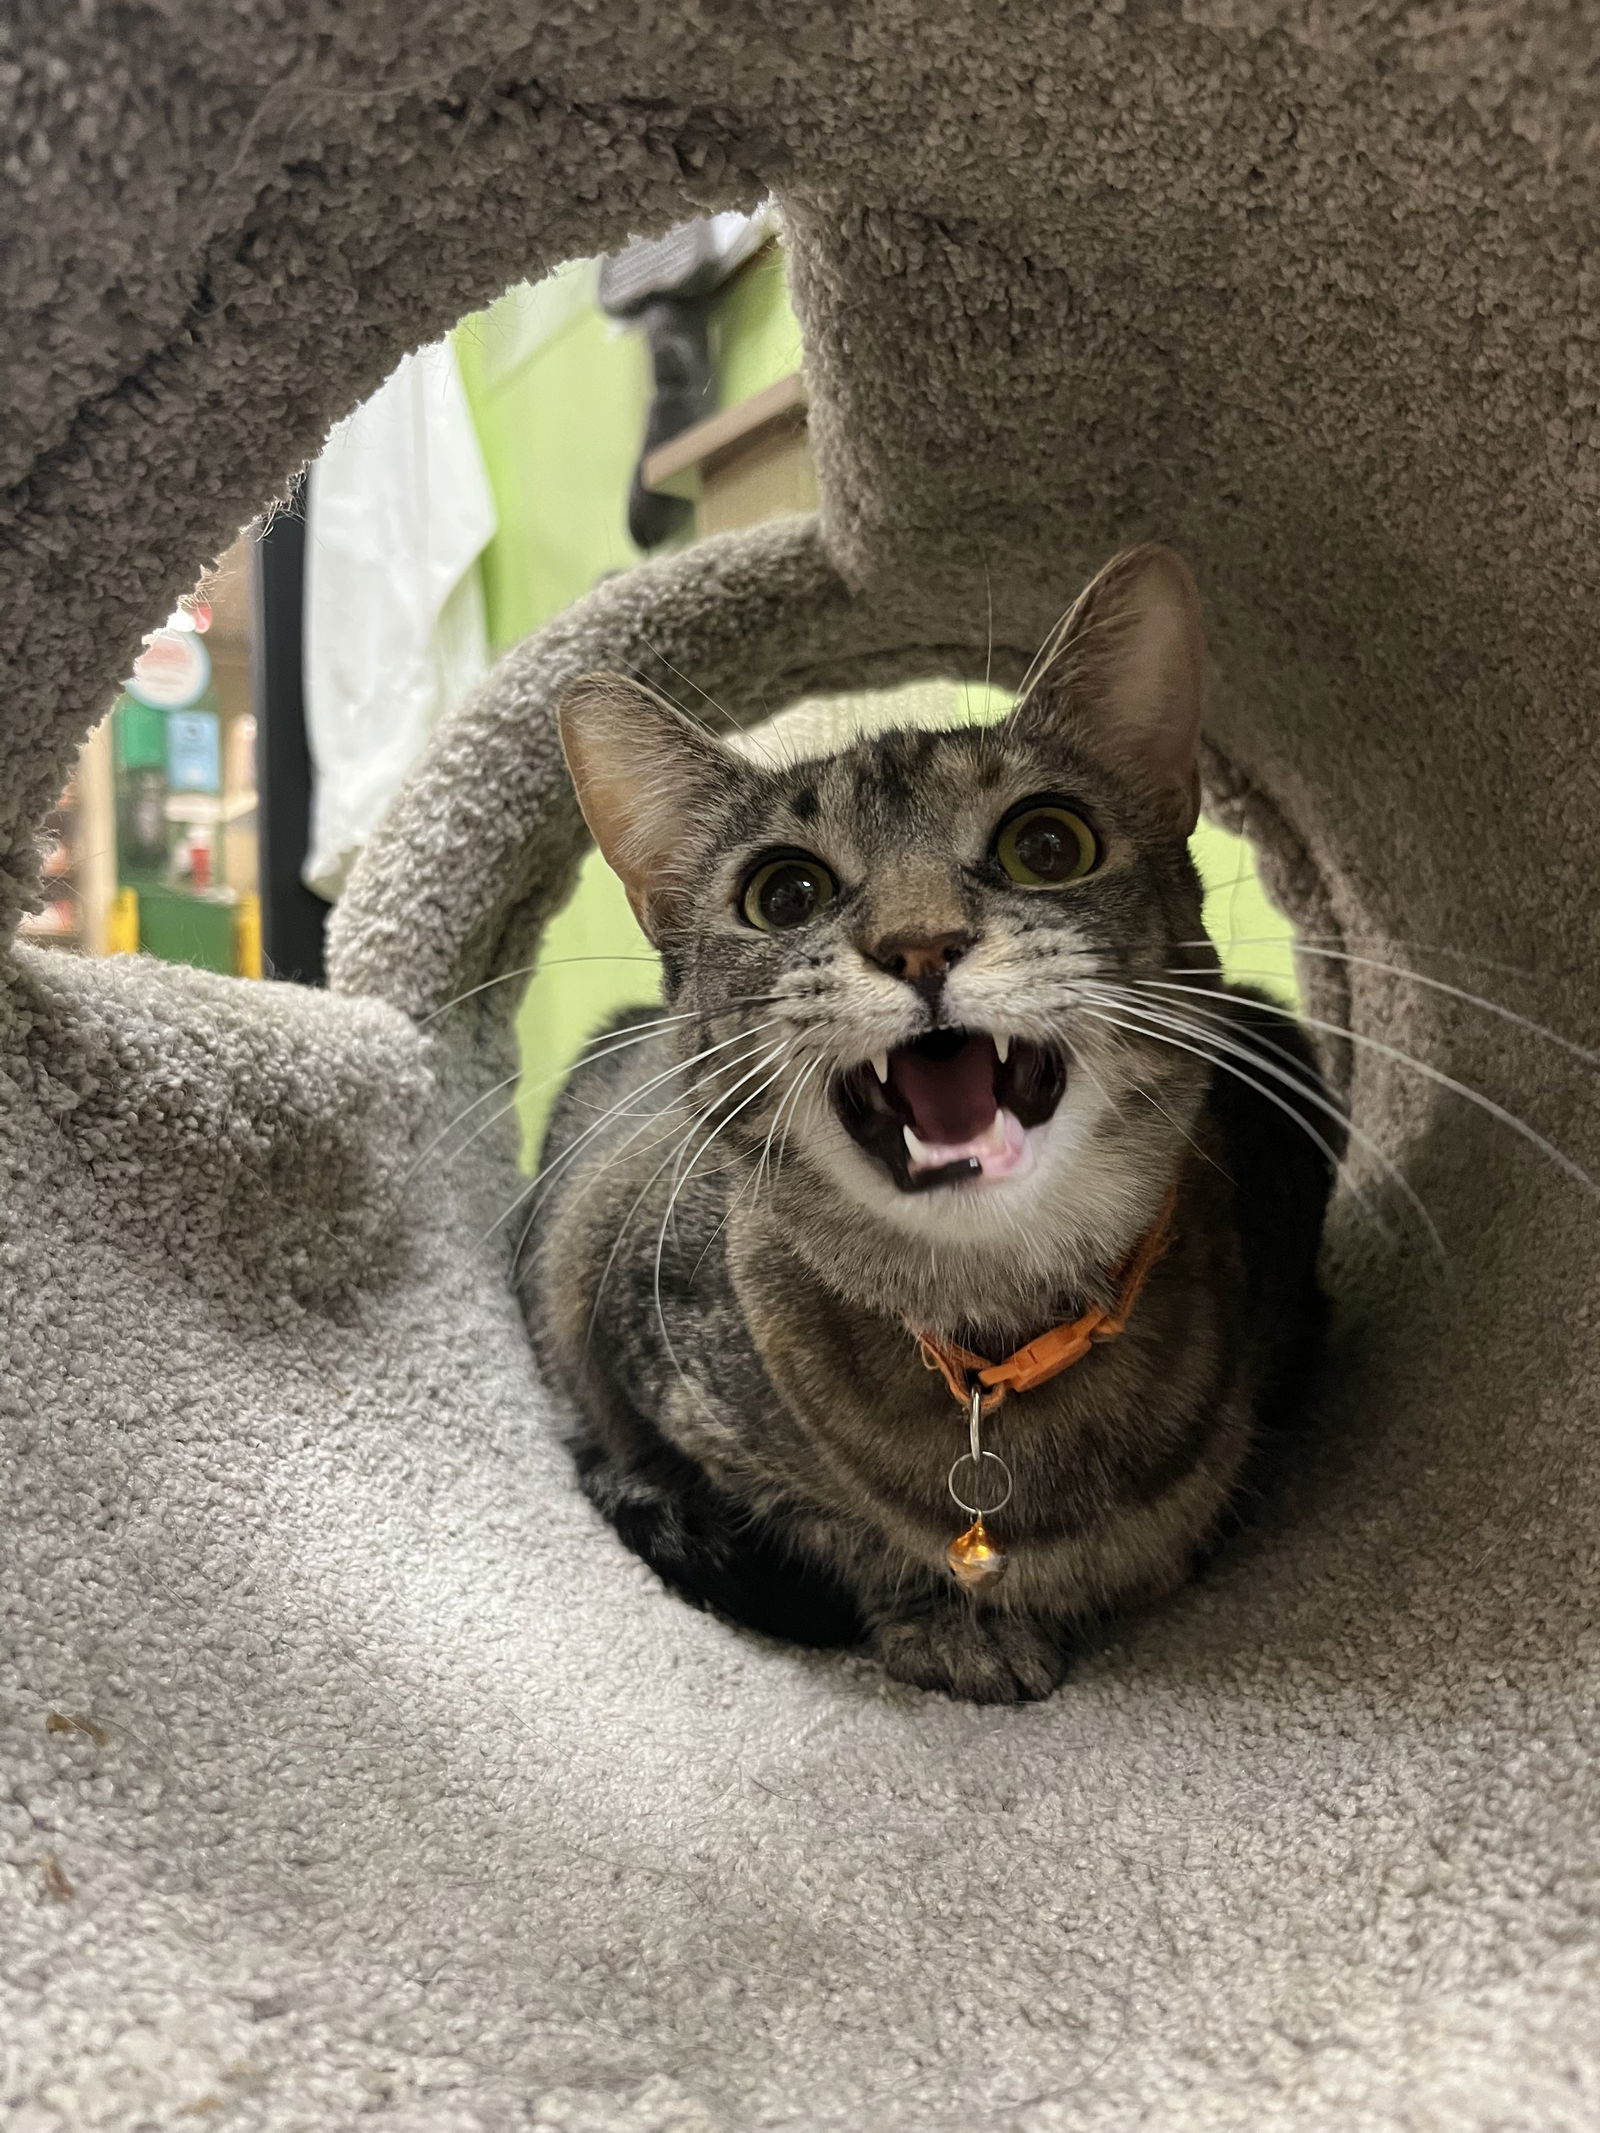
x: 953, y: 1108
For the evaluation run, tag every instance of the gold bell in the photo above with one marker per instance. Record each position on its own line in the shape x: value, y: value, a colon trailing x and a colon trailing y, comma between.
x: 975, y: 1558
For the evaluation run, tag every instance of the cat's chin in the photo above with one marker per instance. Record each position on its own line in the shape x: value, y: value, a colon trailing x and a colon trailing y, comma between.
x: 957, y: 1111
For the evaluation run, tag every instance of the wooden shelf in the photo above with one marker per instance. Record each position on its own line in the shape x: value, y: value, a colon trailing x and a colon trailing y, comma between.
x: 210, y: 807
x: 777, y: 412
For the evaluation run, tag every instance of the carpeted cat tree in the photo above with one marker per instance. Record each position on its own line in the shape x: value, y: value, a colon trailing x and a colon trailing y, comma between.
x: 350, y: 1773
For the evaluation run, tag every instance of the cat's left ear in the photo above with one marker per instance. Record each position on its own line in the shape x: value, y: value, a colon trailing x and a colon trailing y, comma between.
x: 1125, y: 675
x: 647, y: 778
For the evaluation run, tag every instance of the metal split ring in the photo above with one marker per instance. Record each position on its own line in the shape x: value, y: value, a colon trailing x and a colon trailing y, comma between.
x: 976, y: 1462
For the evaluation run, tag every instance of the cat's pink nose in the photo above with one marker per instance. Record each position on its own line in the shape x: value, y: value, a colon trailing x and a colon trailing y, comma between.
x: 921, y: 959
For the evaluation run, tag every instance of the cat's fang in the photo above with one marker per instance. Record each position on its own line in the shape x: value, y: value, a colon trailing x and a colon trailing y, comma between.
x: 1002, y: 1048
x: 879, y: 1063
x: 921, y: 1151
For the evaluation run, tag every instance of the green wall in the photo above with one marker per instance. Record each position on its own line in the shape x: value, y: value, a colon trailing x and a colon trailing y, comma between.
x: 755, y: 336
x: 558, y: 393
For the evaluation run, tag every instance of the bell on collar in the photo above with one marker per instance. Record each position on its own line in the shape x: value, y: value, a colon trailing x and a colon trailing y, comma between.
x: 976, y: 1558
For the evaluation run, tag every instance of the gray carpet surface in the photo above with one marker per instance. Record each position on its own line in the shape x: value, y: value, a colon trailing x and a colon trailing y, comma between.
x: 350, y: 1774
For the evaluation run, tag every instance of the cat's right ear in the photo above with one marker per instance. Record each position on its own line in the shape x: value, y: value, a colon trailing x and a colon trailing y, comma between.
x: 1125, y: 673
x: 645, y: 777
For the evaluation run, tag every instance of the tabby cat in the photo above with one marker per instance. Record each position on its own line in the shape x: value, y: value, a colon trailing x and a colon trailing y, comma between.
x: 923, y: 1090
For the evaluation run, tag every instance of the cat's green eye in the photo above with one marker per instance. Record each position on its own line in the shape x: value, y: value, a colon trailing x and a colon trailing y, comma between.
x: 787, y: 892
x: 1044, y: 845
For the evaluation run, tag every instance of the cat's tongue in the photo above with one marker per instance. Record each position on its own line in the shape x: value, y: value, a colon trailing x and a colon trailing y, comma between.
x: 951, y: 1101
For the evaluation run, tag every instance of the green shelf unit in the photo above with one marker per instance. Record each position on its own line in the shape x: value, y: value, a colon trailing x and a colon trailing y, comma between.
x: 181, y: 927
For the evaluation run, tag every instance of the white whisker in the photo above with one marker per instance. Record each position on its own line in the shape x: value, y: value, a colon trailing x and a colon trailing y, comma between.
x: 614, y: 1040
x: 679, y: 1184
x: 541, y: 1186
x: 680, y: 1135
x: 1456, y: 992
x: 1558, y: 1156
x: 1330, y: 940
x: 656, y: 1081
x: 528, y: 970
x: 810, y: 1072
x: 1224, y: 1051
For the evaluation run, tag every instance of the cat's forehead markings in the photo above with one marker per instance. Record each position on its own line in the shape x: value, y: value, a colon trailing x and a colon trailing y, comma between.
x: 896, y: 782
x: 886, y: 774
x: 987, y: 759
x: 903, y: 772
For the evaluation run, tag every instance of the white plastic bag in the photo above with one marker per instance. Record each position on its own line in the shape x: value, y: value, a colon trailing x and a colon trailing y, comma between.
x: 399, y: 511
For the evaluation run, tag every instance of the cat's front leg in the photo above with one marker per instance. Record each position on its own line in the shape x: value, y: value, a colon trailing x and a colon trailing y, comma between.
x: 941, y: 1641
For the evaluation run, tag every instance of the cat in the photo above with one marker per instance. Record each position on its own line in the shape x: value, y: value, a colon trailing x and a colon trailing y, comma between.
x: 913, y: 1088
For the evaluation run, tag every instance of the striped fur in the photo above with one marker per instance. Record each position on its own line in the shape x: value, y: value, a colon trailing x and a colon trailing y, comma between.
x: 723, y: 1277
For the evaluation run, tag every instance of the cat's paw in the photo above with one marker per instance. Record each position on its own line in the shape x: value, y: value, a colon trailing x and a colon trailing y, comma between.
x: 988, y: 1658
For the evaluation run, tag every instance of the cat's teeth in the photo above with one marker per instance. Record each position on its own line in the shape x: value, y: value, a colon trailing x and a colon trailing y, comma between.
x: 1002, y: 1046
x: 880, y: 1066
x: 995, y: 1139
x: 919, y: 1150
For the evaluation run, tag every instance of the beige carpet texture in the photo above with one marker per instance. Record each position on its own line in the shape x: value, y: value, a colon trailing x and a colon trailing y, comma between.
x: 351, y: 1774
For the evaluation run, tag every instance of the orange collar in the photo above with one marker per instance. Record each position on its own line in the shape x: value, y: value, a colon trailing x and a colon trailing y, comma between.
x: 1055, y: 1351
